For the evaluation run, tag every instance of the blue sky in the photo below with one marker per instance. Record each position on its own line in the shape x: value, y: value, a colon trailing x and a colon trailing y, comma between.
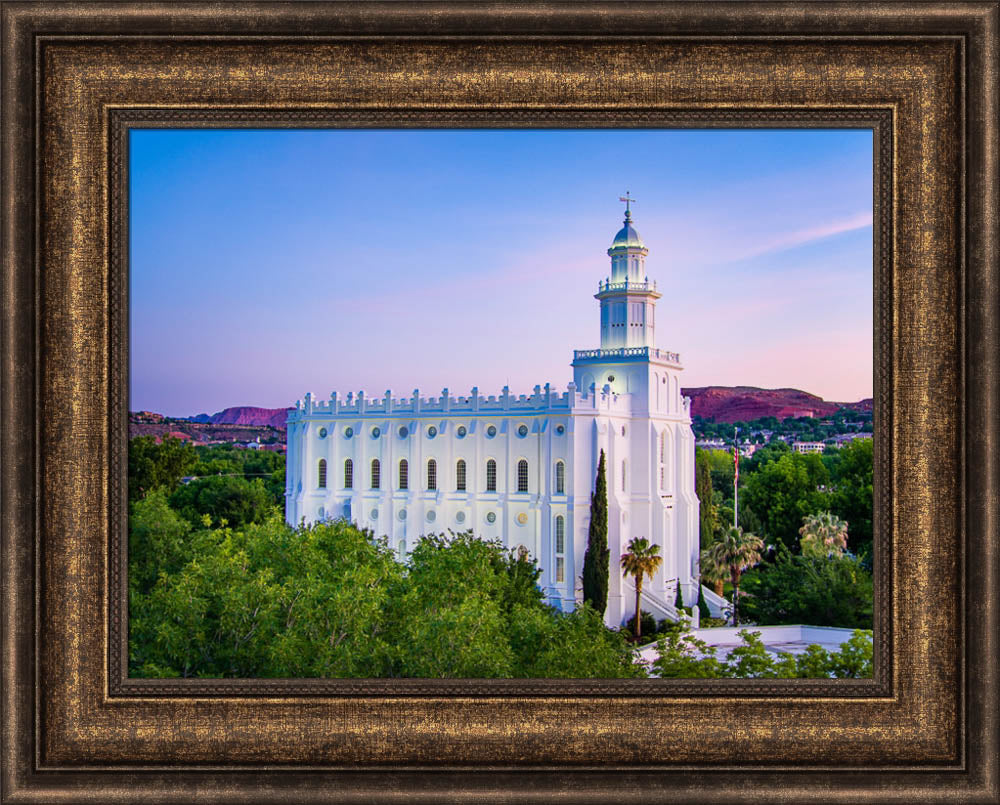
x: 265, y: 264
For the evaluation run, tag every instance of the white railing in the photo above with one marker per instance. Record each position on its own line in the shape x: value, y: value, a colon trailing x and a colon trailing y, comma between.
x: 627, y: 352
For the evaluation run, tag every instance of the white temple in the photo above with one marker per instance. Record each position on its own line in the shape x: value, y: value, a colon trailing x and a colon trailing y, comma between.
x: 521, y: 468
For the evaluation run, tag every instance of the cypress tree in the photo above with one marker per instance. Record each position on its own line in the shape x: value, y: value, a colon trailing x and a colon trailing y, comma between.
x: 707, y: 515
x: 596, y: 569
x: 702, y: 605
x: 678, y: 597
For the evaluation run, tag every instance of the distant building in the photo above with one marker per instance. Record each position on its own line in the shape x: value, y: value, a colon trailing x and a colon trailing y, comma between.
x: 521, y: 468
x: 808, y: 447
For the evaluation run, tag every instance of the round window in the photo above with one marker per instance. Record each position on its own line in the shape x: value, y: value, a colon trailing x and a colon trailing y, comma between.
x: 402, y: 514
x: 374, y: 514
x: 461, y: 431
x: 522, y: 431
x: 611, y: 378
x: 432, y: 432
x: 431, y: 516
x: 348, y: 433
x: 403, y: 432
x: 322, y: 433
x: 491, y: 431
x: 522, y: 519
x: 560, y: 429
x: 376, y: 433
x: 460, y: 517
x: 491, y: 517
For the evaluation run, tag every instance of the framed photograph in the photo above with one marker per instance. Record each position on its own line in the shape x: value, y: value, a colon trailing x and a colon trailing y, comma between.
x: 97, y: 98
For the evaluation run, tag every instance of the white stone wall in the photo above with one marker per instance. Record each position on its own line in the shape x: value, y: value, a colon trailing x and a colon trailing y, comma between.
x: 570, y: 428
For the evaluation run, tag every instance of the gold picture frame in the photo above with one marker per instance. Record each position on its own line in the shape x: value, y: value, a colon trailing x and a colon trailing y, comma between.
x: 76, y: 76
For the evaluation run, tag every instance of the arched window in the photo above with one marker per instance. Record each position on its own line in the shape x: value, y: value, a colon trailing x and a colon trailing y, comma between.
x: 522, y: 475
x: 560, y: 549
x: 376, y: 474
x: 348, y: 474
x: 432, y: 474
x: 322, y: 473
x: 404, y: 474
x: 491, y: 476
x: 623, y: 476
x: 460, y: 475
x: 560, y: 478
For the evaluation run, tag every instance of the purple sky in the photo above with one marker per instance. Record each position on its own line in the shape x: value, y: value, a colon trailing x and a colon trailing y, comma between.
x: 266, y: 264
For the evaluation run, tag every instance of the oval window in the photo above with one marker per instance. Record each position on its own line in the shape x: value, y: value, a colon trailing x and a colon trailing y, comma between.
x: 376, y: 433
x: 461, y: 431
x: 491, y: 517
x: 432, y: 432
x: 460, y: 517
x: 322, y: 433
x: 491, y: 431
x: 522, y: 431
x: 348, y: 433
x: 403, y: 432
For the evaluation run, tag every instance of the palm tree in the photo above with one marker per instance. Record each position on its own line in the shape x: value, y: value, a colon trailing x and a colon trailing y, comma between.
x: 733, y: 551
x: 712, y: 574
x: 823, y: 534
x: 641, y: 560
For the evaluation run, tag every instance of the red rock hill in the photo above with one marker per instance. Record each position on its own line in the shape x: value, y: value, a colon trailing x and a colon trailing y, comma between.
x: 746, y: 403
x: 248, y: 415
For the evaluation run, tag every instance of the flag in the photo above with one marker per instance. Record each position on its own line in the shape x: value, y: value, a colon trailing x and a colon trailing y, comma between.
x: 736, y: 459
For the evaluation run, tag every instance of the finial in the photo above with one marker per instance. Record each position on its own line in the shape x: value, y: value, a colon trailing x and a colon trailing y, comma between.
x: 628, y: 206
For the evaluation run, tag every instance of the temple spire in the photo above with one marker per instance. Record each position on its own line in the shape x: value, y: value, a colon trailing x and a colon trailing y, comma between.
x: 628, y: 208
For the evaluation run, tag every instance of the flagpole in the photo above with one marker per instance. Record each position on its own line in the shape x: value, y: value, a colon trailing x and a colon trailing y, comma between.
x: 736, y: 477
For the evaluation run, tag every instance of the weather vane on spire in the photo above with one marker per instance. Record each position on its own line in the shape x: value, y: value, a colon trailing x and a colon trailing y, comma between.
x: 628, y: 201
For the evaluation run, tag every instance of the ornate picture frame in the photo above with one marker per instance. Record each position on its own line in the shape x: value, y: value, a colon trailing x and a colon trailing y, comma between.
x: 77, y: 76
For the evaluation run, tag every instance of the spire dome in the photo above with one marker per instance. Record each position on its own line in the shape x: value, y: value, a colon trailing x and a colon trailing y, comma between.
x: 627, y: 237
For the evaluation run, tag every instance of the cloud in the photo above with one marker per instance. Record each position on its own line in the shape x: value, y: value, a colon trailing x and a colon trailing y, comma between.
x: 810, y: 234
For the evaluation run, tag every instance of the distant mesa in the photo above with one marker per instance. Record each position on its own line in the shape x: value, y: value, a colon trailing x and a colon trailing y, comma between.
x: 246, y: 415
x: 716, y: 403
x: 747, y: 403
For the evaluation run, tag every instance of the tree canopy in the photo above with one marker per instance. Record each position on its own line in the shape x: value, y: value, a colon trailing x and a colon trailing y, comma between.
x: 329, y: 600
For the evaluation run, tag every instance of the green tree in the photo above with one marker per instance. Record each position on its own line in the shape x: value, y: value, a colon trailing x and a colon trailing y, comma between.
x: 153, y: 466
x: 158, y: 541
x: 823, y: 534
x: 596, y: 567
x: 708, y: 519
x: 784, y: 491
x: 734, y: 551
x: 821, y: 591
x: 854, y: 660
x: 236, y: 500
x: 642, y: 559
x: 680, y: 655
x: 852, y: 495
